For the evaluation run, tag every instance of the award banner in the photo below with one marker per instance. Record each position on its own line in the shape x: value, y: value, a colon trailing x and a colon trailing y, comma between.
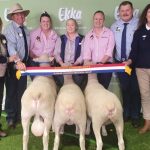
x: 48, y: 71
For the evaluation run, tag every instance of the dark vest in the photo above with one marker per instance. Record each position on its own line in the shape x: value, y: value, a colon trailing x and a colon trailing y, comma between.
x: 77, y: 46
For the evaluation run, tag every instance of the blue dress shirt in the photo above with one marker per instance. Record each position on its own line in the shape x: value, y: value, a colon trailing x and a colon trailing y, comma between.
x: 15, y: 40
x: 117, y: 29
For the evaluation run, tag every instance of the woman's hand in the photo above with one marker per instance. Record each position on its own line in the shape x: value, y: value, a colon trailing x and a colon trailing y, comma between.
x: 20, y: 65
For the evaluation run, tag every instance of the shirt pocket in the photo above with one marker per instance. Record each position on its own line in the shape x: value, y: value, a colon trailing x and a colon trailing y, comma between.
x: 104, y: 42
x: 38, y: 45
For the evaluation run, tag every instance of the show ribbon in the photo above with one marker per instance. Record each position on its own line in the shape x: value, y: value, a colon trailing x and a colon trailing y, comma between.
x: 49, y: 71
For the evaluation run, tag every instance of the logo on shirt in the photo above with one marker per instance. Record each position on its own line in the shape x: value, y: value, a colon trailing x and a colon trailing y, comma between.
x: 38, y: 39
x: 91, y: 37
x: 66, y: 13
x: 144, y: 37
x: 118, y: 29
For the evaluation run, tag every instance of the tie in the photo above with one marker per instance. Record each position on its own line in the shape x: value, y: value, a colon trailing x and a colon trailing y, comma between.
x: 123, y: 43
x: 25, y: 44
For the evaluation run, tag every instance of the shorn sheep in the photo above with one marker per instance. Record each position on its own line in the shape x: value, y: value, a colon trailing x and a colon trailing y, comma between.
x: 103, y: 106
x: 70, y: 109
x: 38, y: 100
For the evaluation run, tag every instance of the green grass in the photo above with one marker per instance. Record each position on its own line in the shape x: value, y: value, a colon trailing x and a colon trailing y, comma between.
x: 69, y: 141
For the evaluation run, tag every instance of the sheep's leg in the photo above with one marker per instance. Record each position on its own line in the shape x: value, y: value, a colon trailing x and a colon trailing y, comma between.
x: 87, y: 132
x: 77, y: 129
x: 96, y: 129
x: 119, y: 130
x: 62, y: 129
x: 104, y: 131
x: 82, y: 136
x: 57, y: 137
x: 47, y: 124
x: 25, y: 125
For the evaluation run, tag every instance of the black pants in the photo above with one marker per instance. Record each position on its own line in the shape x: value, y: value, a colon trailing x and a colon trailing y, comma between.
x: 131, y: 94
x: 14, y: 91
x: 104, y: 79
x: 2, y: 80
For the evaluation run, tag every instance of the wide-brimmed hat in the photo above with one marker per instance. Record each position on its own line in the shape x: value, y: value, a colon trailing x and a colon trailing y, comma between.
x: 16, y: 8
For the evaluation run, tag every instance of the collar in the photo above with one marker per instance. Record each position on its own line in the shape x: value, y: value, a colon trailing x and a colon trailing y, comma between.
x: 122, y: 22
x: 133, y: 20
x: 17, y: 25
x: 93, y: 33
x: 147, y: 27
x: 76, y: 35
x: 50, y: 32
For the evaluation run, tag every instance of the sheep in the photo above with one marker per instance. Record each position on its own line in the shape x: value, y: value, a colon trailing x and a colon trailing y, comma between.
x: 38, y: 100
x: 70, y: 109
x: 103, y: 106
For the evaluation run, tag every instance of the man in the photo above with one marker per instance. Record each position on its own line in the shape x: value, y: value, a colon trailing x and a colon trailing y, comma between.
x: 17, y: 40
x: 123, y: 30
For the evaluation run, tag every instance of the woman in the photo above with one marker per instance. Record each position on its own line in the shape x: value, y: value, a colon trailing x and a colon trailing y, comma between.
x: 98, y: 46
x: 68, y: 50
x: 3, y: 64
x: 43, y: 39
x: 140, y: 57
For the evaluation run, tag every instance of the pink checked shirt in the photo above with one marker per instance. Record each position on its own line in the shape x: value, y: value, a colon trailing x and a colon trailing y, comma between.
x: 69, y: 50
x: 95, y: 48
x: 40, y: 45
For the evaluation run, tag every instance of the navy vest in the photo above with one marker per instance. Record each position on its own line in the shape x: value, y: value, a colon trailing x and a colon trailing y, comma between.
x: 77, y: 46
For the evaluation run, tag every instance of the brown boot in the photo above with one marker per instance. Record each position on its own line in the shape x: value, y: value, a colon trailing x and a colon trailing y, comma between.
x: 145, y: 128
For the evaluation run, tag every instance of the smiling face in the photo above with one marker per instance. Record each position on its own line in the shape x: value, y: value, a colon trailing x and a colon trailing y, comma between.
x: 19, y: 18
x: 71, y: 26
x: 45, y: 23
x: 98, y: 20
x: 126, y: 12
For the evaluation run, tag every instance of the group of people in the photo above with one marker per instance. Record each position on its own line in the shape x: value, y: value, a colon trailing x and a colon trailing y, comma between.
x: 127, y: 41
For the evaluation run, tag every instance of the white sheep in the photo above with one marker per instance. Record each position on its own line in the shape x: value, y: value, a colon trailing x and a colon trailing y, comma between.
x: 38, y: 100
x: 103, y: 106
x: 70, y: 109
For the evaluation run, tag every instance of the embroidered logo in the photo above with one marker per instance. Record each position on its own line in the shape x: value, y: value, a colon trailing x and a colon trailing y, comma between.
x: 38, y: 39
x: 91, y: 37
x: 144, y: 37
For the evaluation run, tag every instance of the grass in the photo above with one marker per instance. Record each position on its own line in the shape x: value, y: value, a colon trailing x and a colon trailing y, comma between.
x: 69, y: 141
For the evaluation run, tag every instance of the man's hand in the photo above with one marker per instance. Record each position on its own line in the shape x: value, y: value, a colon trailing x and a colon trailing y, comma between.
x: 12, y: 58
x: 128, y: 62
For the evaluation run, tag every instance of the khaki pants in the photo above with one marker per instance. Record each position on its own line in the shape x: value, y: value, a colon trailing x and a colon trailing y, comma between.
x: 143, y: 76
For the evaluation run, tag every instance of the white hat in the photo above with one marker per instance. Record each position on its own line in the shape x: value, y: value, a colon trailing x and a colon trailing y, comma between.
x: 17, y: 8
